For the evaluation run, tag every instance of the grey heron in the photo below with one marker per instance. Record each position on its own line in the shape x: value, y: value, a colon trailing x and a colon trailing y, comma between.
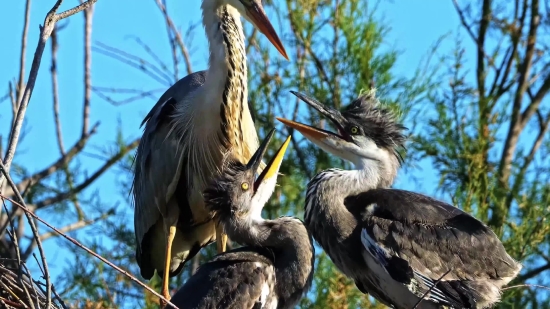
x: 195, y: 123
x: 275, y: 268
x: 396, y: 245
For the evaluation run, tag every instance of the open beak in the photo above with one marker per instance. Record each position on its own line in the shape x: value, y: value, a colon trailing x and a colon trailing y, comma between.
x: 316, y: 134
x: 256, y: 13
x: 272, y: 168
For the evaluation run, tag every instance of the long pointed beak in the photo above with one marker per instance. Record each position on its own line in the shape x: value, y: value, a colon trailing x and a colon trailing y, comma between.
x: 272, y: 168
x: 315, y: 133
x: 257, y: 157
x: 256, y: 13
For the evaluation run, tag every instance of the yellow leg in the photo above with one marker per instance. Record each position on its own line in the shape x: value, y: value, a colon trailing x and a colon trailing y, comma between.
x: 166, y: 276
x: 221, y: 238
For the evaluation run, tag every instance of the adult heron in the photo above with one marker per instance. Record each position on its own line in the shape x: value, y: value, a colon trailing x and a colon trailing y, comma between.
x: 410, y: 244
x: 195, y: 123
x: 275, y: 269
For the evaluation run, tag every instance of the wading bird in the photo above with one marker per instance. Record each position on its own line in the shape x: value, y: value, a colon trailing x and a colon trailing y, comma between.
x: 275, y: 268
x: 411, y: 244
x: 195, y: 123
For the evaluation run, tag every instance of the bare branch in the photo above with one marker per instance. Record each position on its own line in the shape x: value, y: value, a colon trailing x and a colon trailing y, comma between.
x: 81, y: 7
x: 177, y: 35
x: 135, y: 62
x: 59, y: 164
x: 76, y: 226
x: 45, y: 33
x: 535, y: 102
x: 88, y: 15
x: 77, y: 189
x: 53, y: 71
x: 516, y: 121
x: 21, y: 83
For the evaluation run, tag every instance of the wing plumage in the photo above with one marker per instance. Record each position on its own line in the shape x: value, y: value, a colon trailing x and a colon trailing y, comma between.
x: 158, y: 166
x: 430, y: 246
x: 235, y: 279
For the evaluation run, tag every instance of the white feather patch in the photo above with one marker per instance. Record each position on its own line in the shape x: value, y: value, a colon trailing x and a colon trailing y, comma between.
x: 377, y: 252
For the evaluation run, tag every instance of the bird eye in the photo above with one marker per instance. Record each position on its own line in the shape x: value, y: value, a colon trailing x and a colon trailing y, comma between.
x: 354, y: 130
x: 244, y: 186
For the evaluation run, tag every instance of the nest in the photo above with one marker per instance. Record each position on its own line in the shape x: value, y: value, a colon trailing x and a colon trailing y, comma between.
x: 19, y: 290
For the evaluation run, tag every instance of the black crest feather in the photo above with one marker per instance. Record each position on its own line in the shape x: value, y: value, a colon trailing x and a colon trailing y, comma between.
x: 378, y: 122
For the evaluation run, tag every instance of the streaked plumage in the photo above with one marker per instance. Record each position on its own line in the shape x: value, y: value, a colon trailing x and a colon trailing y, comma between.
x: 194, y: 125
x: 275, y: 268
x: 408, y: 241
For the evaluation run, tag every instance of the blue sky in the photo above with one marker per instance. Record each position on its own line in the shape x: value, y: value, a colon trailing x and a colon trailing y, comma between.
x: 416, y: 25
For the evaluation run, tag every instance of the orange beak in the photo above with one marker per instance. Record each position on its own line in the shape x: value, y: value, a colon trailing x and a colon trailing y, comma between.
x: 257, y: 15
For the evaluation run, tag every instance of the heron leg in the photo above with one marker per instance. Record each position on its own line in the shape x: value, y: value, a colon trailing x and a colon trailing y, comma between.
x: 171, y: 233
x: 221, y: 238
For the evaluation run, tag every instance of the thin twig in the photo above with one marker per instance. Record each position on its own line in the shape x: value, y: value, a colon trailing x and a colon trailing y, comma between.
x: 78, y: 244
x: 21, y: 83
x: 55, y: 93
x: 88, y: 15
x: 177, y: 35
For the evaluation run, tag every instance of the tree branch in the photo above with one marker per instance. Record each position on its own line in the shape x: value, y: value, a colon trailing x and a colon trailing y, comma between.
x: 177, y: 35
x: 65, y: 195
x: 21, y: 83
x: 45, y: 33
x: 59, y: 164
x: 88, y: 15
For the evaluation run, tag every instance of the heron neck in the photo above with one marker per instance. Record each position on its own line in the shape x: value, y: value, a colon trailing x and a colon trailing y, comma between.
x: 325, y: 198
x: 225, y: 90
x: 290, y: 242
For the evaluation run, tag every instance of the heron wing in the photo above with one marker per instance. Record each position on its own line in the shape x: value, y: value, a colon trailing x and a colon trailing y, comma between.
x: 420, y: 241
x: 159, y: 157
x: 235, y: 279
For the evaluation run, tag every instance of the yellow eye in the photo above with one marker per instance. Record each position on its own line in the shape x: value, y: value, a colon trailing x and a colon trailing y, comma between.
x: 244, y: 186
x: 354, y: 130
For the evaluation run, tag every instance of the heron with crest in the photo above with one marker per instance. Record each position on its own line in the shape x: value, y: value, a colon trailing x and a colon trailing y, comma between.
x: 404, y: 248
x: 197, y: 122
x: 275, y: 268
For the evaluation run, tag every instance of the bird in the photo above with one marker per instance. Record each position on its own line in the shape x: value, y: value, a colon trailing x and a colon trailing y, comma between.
x: 198, y: 121
x: 403, y: 248
x: 275, y: 267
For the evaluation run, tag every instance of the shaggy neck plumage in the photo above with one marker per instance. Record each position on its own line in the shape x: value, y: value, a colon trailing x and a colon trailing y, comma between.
x: 226, y: 81
x: 328, y: 189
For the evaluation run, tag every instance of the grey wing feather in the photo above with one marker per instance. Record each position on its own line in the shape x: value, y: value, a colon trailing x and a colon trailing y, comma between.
x: 230, y: 280
x: 156, y: 171
x: 424, y: 238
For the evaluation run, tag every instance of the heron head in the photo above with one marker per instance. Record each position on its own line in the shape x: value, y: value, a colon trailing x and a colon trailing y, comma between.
x: 238, y: 192
x: 365, y: 131
x: 253, y: 11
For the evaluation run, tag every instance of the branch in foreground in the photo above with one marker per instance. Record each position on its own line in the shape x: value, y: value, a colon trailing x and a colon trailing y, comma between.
x: 78, y: 244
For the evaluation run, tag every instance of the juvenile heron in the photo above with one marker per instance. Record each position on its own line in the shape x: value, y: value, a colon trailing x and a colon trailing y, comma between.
x: 195, y: 123
x: 408, y: 241
x: 275, y: 269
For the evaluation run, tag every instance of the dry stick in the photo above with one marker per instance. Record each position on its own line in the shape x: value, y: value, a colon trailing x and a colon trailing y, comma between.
x: 55, y: 92
x: 431, y: 288
x: 21, y: 83
x: 88, y: 15
x: 34, y: 233
x: 75, y: 242
x: 45, y: 33
x: 526, y: 286
x: 13, y: 236
x: 177, y: 35
x: 59, y: 299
